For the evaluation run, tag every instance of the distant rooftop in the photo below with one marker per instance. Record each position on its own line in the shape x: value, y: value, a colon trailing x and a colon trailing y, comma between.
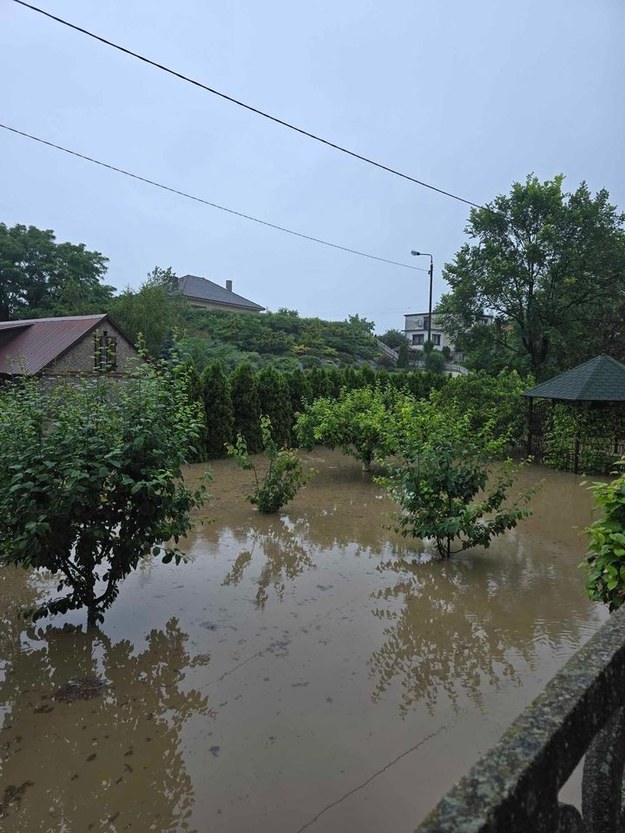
x: 201, y: 289
x: 27, y: 346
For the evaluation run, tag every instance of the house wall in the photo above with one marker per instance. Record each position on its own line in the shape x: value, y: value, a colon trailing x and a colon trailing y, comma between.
x: 79, y: 358
x: 199, y: 303
x: 415, y: 325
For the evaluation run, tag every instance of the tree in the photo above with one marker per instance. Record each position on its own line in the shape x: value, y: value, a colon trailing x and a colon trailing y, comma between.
x: 40, y: 277
x: 283, y: 478
x: 275, y: 403
x: 440, y: 466
x: 91, y: 480
x: 550, y: 266
x: 154, y: 310
x: 393, y: 339
x: 356, y: 423
x: 246, y: 406
x: 218, y: 410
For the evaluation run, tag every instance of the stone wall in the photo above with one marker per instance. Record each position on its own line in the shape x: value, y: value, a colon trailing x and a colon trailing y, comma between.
x: 79, y: 358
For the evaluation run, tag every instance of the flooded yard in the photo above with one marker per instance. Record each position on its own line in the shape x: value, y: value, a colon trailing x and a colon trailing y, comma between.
x: 304, y: 672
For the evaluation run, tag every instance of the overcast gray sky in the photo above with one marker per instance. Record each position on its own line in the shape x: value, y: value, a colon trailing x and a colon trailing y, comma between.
x: 469, y: 96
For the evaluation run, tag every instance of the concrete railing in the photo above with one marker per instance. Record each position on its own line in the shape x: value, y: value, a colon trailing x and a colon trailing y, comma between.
x: 514, y: 788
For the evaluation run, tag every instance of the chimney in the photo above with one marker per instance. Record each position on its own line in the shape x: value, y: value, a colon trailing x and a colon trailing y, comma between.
x: 229, y: 286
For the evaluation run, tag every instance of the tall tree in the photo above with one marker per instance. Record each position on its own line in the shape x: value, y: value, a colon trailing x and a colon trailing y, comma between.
x: 40, y: 277
x: 219, y: 413
x: 154, y: 310
x: 550, y: 266
x: 275, y: 403
x: 246, y: 407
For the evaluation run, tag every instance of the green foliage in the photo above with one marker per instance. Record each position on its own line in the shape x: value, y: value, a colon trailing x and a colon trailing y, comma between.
x: 550, y: 265
x: 246, y: 404
x: 218, y: 410
x: 605, y: 562
x: 592, y: 429
x: 493, y: 400
x: 284, y: 477
x: 393, y: 339
x: 440, y: 466
x: 300, y: 391
x: 356, y: 423
x: 91, y: 479
x: 275, y: 403
x: 154, y: 310
x: 434, y: 361
x: 40, y: 277
x: 283, y: 336
x: 403, y: 355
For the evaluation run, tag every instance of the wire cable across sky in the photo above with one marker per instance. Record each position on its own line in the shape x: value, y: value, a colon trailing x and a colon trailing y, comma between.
x: 180, y: 193
x: 246, y: 106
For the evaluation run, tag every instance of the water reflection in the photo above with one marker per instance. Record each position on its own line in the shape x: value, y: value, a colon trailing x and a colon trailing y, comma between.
x: 91, y: 735
x: 468, y: 625
x: 285, y: 559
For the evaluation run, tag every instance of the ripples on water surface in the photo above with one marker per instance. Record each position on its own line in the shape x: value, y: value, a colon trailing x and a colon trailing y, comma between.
x: 311, y: 671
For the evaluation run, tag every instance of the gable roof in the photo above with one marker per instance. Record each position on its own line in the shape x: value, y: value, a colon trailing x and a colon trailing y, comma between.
x: 192, y: 286
x: 601, y: 379
x: 30, y: 345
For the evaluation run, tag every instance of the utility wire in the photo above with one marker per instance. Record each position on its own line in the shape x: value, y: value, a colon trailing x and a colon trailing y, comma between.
x: 207, y: 202
x: 249, y: 107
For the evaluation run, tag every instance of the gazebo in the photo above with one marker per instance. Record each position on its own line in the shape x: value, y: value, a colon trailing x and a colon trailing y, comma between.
x: 599, y: 381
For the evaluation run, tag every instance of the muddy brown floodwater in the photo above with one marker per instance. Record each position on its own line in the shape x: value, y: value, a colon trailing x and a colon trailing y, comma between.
x: 309, y: 671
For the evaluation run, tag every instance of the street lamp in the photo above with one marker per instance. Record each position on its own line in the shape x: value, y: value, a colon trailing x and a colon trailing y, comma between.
x: 427, y: 254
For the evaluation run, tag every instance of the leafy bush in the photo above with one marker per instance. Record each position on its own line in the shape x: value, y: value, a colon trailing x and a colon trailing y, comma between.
x: 284, y: 477
x: 440, y: 467
x: 356, y: 423
x: 605, y: 562
x: 595, y: 429
x: 91, y: 479
x: 496, y: 400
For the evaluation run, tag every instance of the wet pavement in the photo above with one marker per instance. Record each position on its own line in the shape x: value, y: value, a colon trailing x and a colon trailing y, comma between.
x: 308, y: 671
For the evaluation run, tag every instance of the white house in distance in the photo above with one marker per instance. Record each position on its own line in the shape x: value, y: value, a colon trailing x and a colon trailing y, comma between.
x: 416, y: 331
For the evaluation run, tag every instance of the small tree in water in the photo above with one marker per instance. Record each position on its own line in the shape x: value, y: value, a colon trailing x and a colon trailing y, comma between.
x: 284, y: 477
x: 91, y: 480
x: 441, y: 466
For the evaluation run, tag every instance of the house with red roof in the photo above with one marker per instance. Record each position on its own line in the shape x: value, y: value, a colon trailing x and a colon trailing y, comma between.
x: 70, y: 346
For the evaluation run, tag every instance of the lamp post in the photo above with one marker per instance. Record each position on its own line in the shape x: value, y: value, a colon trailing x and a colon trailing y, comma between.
x: 427, y: 254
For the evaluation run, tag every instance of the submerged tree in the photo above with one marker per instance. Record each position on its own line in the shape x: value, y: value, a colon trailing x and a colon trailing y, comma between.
x: 356, y: 423
x: 91, y: 480
x: 440, y: 477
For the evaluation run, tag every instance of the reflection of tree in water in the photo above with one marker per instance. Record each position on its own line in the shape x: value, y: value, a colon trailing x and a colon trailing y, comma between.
x: 462, y: 625
x: 93, y: 757
x: 285, y: 559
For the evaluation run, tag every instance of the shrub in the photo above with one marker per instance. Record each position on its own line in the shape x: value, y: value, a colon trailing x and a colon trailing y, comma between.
x: 284, y: 477
x: 356, y: 423
x: 246, y: 406
x: 605, y: 562
x: 441, y: 465
x: 91, y: 480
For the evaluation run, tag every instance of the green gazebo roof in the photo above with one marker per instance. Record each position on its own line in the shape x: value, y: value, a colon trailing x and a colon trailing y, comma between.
x: 599, y: 380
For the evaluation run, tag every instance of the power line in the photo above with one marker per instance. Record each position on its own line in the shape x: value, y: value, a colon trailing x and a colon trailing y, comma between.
x: 207, y: 202
x: 246, y: 106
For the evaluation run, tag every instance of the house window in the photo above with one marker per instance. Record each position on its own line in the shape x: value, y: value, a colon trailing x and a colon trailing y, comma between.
x: 436, y: 339
x: 104, y: 351
x: 417, y: 338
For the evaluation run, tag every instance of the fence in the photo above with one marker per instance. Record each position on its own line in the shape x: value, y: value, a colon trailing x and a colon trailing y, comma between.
x: 514, y: 788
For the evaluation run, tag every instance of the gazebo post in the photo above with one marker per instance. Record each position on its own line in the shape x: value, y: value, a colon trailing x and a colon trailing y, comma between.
x: 530, y: 419
x: 576, y: 460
